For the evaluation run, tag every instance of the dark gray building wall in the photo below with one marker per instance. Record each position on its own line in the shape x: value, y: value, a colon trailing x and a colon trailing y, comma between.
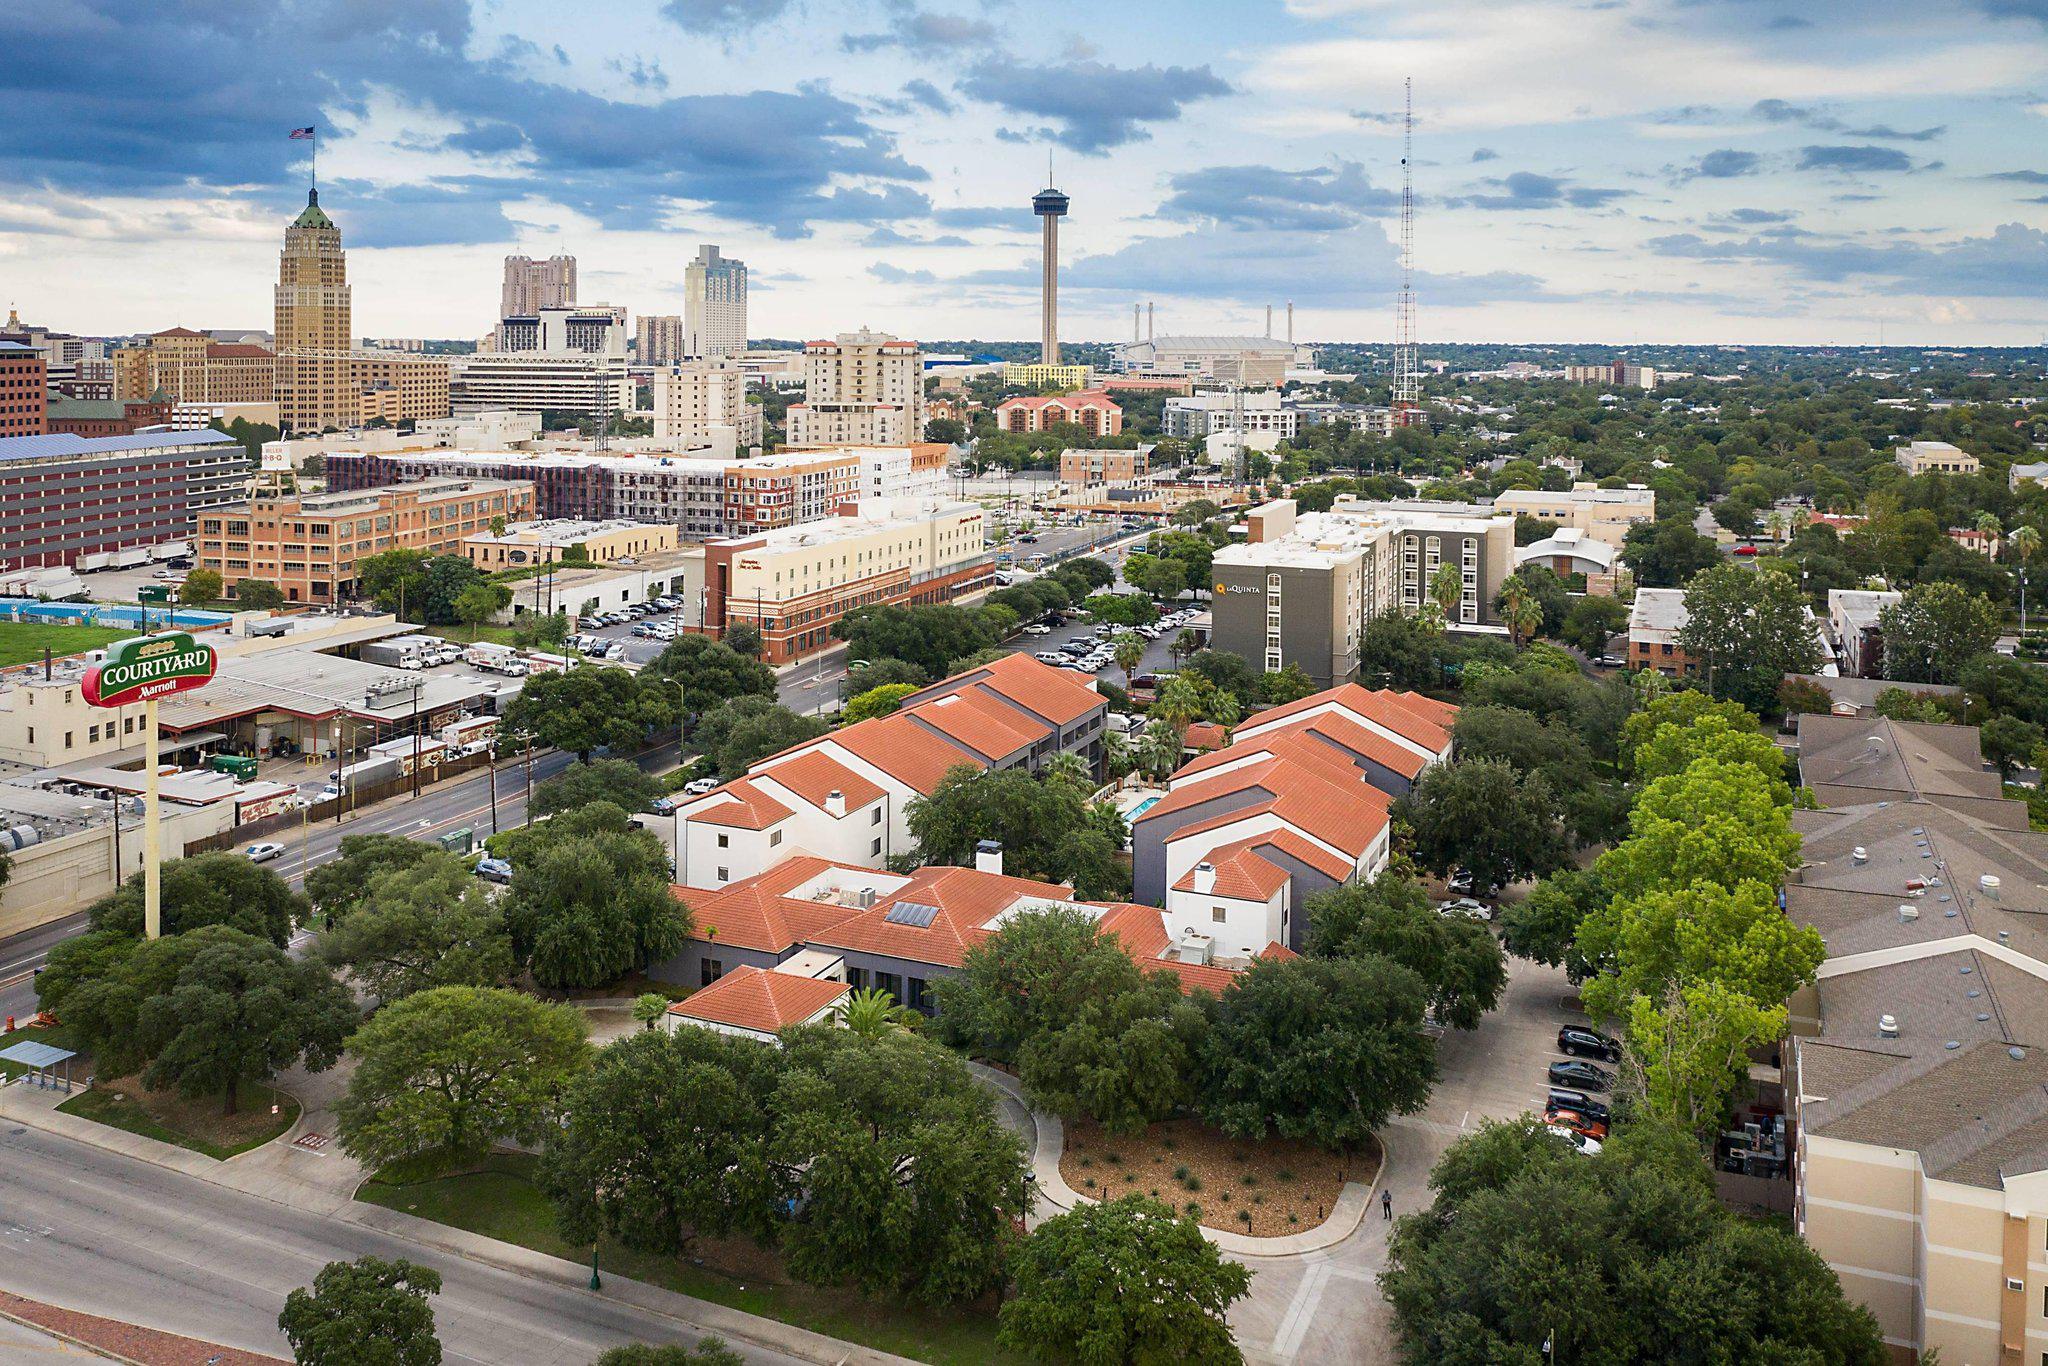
x: 1149, y: 836
x: 1307, y: 631
x: 686, y: 969
x: 908, y: 980
x: 1378, y: 774
x: 1303, y: 883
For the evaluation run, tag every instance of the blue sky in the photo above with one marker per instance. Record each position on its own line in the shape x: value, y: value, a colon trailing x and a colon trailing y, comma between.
x: 1601, y: 170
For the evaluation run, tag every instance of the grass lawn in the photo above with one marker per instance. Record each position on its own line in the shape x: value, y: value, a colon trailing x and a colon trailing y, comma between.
x: 470, y: 635
x: 196, y: 1124
x: 22, y: 642
x: 498, y: 1199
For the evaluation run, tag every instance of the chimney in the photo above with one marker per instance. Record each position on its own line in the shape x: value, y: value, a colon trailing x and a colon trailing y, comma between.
x: 1290, y: 322
x: 1148, y: 322
x: 835, y: 804
x: 988, y: 857
x: 1137, y: 322
x: 1887, y: 1027
x: 1205, y: 877
x: 1269, y: 322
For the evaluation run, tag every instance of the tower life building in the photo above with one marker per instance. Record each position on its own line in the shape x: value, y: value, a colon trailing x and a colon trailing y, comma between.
x: 315, y: 385
x: 532, y: 285
x: 714, y: 305
x: 1050, y: 206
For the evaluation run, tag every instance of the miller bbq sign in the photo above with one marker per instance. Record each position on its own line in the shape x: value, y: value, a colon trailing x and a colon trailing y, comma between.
x: 145, y: 668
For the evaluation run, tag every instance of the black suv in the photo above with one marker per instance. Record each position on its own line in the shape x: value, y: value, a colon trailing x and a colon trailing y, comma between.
x: 1564, y: 1098
x: 1580, y: 1074
x: 1587, y: 1043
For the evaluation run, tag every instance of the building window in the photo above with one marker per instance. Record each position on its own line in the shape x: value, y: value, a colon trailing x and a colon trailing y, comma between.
x: 724, y: 876
x: 725, y: 841
x: 875, y: 849
x: 875, y: 816
x: 709, y: 971
x: 774, y: 838
x: 1217, y: 914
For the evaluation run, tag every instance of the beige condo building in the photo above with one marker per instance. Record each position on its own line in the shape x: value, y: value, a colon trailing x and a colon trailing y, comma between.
x: 1604, y: 514
x: 193, y: 368
x: 693, y: 396
x: 860, y: 389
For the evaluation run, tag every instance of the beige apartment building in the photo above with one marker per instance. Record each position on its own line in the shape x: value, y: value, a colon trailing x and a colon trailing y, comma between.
x: 1604, y: 514
x: 309, y: 544
x: 1085, y: 470
x: 792, y: 583
x: 529, y: 543
x: 193, y: 368
x: 398, y: 388
x: 691, y: 397
x: 1917, y: 1074
x: 1935, y: 457
x: 860, y: 389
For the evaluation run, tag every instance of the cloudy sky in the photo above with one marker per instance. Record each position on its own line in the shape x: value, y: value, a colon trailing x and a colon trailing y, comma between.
x: 1598, y: 170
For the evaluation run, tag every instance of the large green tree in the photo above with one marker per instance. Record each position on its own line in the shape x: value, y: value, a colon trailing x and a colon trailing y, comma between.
x: 592, y: 706
x: 1023, y: 981
x: 1322, y: 1049
x: 913, y: 1186
x: 428, y: 925
x: 590, y: 899
x: 207, y: 889
x: 337, y: 887
x: 457, y: 1070
x: 1714, y: 822
x: 1747, y: 629
x: 665, y: 1139
x: 738, y: 733
x: 1483, y: 816
x: 705, y: 672
x: 1122, y: 1281
x: 364, y: 1312
x: 239, y: 1010
x: 1125, y: 1053
x: 394, y: 578
x: 1934, y: 630
x: 931, y: 636
x: 619, y: 781
x: 1736, y: 937
x: 1458, y: 960
x: 1620, y: 1258
x: 1047, y: 826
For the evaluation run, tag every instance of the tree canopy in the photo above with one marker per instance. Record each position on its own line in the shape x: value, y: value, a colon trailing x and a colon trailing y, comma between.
x: 368, y: 1310
x: 584, y: 709
x: 1459, y: 961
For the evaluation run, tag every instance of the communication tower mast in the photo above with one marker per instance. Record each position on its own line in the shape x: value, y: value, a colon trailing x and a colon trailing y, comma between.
x: 1407, y: 384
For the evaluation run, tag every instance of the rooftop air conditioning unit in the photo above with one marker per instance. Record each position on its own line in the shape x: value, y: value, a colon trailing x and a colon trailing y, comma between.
x: 1908, y: 914
x: 1887, y: 1027
x: 1859, y: 854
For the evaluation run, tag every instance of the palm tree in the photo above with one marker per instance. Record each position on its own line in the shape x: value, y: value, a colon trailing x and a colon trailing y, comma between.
x: 1515, y: 600
x: 1524, y: 618
x: 1992, y: 530
x: 649, y: 1007
x: 1775, y: 526
x: 2023, y: 542
x: 1128, y: 650
x: 1158, y: 750
x: 1446, y: 587
x: 1184, y: 644
x: 1067, y: 766
x: 873, y: 1013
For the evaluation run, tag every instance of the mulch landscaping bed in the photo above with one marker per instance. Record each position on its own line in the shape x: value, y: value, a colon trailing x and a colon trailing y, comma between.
x: 1266, y: 1189
x: 189, y: 1122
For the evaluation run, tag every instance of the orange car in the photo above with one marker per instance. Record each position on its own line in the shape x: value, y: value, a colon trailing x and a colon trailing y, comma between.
x: 1577, y: 1123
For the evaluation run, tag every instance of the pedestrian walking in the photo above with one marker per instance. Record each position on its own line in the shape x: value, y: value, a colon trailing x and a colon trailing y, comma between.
x: 1386, y: 1204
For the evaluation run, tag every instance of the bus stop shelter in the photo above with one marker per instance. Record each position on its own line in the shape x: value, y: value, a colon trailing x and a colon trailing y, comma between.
x: 41, y: 1060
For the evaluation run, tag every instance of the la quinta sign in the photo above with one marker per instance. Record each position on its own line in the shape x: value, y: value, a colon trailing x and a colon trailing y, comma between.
x: 145, y: 668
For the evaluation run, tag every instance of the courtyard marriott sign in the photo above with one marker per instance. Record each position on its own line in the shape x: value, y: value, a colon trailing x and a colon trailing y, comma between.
x: 145, y: 668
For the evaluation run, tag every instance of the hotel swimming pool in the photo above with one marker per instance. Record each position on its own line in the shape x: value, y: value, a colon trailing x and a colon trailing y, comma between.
x: 1141, y: 808
x: 104, y: 614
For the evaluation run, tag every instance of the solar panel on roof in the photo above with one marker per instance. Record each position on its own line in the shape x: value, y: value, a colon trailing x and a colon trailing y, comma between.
x: 913, y: 913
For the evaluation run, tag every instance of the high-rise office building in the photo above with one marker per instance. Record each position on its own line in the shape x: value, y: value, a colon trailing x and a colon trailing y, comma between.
x: 860, y: 389
x: 658, y: 339
x: 532, y: 285
x: 314, y: 387
x: 714, y: 305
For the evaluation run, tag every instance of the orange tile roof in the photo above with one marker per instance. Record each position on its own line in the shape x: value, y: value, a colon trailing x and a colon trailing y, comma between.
x: 965, y: 900
x: 1398, y: 712
x: 904, y: 750
x: 1058, y: 695
x: 1276, y: 949
x: 1345, y: 813
x: 749, y: 809
x: 758, y: 913
x: 970, y: 718
x: 814, y: 774
x: 1203, y: 735
x: 748, y: 998
x: 1241, y: 875
x: 1142, y: 932
x: 1335, y: 728
x: 1314, y: 855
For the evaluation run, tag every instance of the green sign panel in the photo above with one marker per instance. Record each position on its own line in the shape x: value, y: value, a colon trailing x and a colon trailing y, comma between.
x: 145, y: 668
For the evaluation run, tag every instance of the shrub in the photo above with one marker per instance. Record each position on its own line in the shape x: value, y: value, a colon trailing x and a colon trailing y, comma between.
x: 1180, y: 1173
x: 1284, y: 1174
x: 1194, y: 1210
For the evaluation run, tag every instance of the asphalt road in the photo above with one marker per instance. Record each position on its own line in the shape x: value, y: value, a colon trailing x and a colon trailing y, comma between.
x: 102, y: 1233
x: 439, y: 809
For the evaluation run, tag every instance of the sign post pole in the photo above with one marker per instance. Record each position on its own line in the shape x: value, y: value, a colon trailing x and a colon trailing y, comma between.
x: 152, y: 877
x: 144, y: 669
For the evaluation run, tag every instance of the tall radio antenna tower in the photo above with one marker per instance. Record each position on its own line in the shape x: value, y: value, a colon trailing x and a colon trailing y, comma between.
x: 1407, y: 385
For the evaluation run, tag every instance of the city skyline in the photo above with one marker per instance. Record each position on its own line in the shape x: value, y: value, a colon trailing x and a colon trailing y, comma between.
x: 1643, y: 171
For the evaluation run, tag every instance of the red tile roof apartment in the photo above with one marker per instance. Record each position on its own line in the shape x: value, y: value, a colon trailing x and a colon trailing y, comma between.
x: 1093, y: 411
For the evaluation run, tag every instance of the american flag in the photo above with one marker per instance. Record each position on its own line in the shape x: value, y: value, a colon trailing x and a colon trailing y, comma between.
x: 302, y: 134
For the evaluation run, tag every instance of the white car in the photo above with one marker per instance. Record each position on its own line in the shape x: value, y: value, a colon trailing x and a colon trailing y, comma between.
x: 263, y: 853
x: 1038, y: 628
x: 1587, y: 1146
x: 697, y: 787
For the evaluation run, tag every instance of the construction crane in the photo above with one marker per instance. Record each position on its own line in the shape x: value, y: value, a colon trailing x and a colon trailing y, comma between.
x: 1407, y: 409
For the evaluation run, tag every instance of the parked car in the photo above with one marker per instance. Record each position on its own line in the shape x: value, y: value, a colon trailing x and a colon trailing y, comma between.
x: 697, y: 787
x: 643, y: 629
x: 1049, y: 657
x: 1587, y: 1043
x: 494, y: 870
x: 1585, y: 1145
x: 1466, y: 908
x: 1580, y: 1074
x: 1572, y: 1122
x: 264, y: 852
x: 1037, y: 629
x: 1567, y: 1098
x: 1459, y: 882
